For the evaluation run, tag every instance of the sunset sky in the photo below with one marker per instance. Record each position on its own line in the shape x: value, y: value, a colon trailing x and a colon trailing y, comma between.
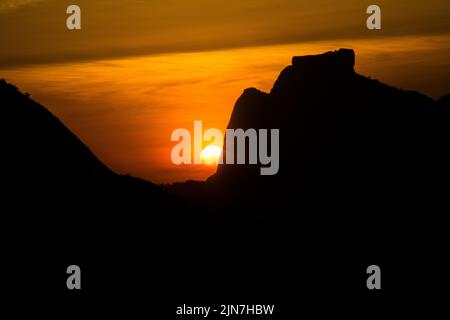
x: 140, y: 69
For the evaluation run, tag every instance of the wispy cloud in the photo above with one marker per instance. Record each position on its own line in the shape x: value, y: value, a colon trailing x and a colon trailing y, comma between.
x: 128, y: 28
x: 6, y: 5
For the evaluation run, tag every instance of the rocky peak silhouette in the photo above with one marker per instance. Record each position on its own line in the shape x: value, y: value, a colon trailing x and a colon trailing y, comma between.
x: 341, y: 134
x: 339, y: 61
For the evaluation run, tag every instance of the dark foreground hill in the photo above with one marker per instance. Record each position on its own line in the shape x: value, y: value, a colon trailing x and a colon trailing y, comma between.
x: 51, y: 182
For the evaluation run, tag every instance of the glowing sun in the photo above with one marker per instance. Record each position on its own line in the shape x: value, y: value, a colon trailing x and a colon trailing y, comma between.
x: 211, y: 154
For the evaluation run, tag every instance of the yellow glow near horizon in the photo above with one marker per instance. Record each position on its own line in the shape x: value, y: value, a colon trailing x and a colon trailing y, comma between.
x: 210, y: 155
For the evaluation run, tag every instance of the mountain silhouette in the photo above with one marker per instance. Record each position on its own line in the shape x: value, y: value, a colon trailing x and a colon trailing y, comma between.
x: 351, y: 149
x: 51, y: 178
x: 363, y: 178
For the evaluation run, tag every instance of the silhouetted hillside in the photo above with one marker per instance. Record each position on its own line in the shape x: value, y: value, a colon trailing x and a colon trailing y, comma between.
x: 351, y: 149
x: 445, y: 100
x: 52, y: 181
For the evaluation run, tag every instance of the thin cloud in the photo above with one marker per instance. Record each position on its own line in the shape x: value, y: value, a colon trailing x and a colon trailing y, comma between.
x: 128, y: 28
x: 7, y: 5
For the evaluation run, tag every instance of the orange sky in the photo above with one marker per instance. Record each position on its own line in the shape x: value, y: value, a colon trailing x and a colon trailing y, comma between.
x: 123, y: 99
